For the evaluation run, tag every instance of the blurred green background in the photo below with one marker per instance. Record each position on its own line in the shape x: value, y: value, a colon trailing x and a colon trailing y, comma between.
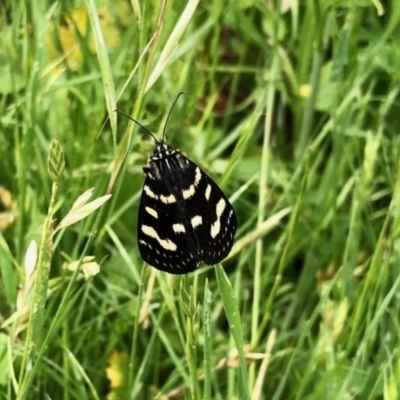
x: 292, y: 107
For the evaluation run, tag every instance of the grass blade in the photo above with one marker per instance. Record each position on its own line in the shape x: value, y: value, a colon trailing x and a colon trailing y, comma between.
x: 235, y: 325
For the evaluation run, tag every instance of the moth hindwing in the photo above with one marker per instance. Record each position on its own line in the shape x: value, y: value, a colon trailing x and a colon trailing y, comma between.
x: 184, y: 217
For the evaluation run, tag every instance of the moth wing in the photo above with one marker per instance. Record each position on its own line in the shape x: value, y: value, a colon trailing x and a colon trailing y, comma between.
x: 162, y: 239
x: 213, y: 220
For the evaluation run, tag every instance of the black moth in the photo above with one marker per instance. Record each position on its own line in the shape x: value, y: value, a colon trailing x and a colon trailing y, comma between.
x: 184, y: 217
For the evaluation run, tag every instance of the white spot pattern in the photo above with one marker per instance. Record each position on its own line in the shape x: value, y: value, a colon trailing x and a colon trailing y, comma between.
x: 208, y: 192
x: 165, y: 199
x: 168, y: 199
x: 216, y: 226
x: 196, y: 221
x: 178, y: 228
x: 166, y: 244
x: 188, y: 193
x: 152, y: 212
x: 149, y: 192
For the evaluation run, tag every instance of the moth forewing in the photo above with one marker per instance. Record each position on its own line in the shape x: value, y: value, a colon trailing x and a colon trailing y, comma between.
x: 184, y: 217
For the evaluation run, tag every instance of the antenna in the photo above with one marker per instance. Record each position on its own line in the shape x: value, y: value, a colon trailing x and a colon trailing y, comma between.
x: 169, y: 114
x: 138, y: 123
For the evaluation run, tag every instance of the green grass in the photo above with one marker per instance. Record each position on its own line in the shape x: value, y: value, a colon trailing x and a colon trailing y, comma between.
x: 295, y: 115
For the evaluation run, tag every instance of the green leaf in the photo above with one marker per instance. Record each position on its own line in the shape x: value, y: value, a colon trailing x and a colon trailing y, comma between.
x: 81, y: 210
x: 233, y: 316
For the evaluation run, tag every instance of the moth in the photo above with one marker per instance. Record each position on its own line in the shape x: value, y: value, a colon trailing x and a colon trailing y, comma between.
x: 184, y: 217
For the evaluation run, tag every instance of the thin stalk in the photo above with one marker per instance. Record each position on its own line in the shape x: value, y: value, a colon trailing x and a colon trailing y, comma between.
x: 318, y: 58
x: 131, y: 368
x: 207, y: 341
x: 261, y: 209
x: 292, y: 224
x: 126, y: 144
x: 192, y: 354
x: 309, y: 111
x: 35, y: 325
x: 190, y: 309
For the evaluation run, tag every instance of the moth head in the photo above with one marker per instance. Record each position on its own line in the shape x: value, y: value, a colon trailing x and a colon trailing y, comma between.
x: 162, y: 150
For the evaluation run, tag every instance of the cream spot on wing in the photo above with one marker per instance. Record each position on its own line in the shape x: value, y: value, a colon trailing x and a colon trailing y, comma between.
x: 149, y: 192
x: 178, y: 228
x: 216, y: 226
x: 165, y: 243
x: 168, y: 199
x: 187, y: 193
x: 196, y: 221
x: 152, y: 212
x: 208, y: 192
